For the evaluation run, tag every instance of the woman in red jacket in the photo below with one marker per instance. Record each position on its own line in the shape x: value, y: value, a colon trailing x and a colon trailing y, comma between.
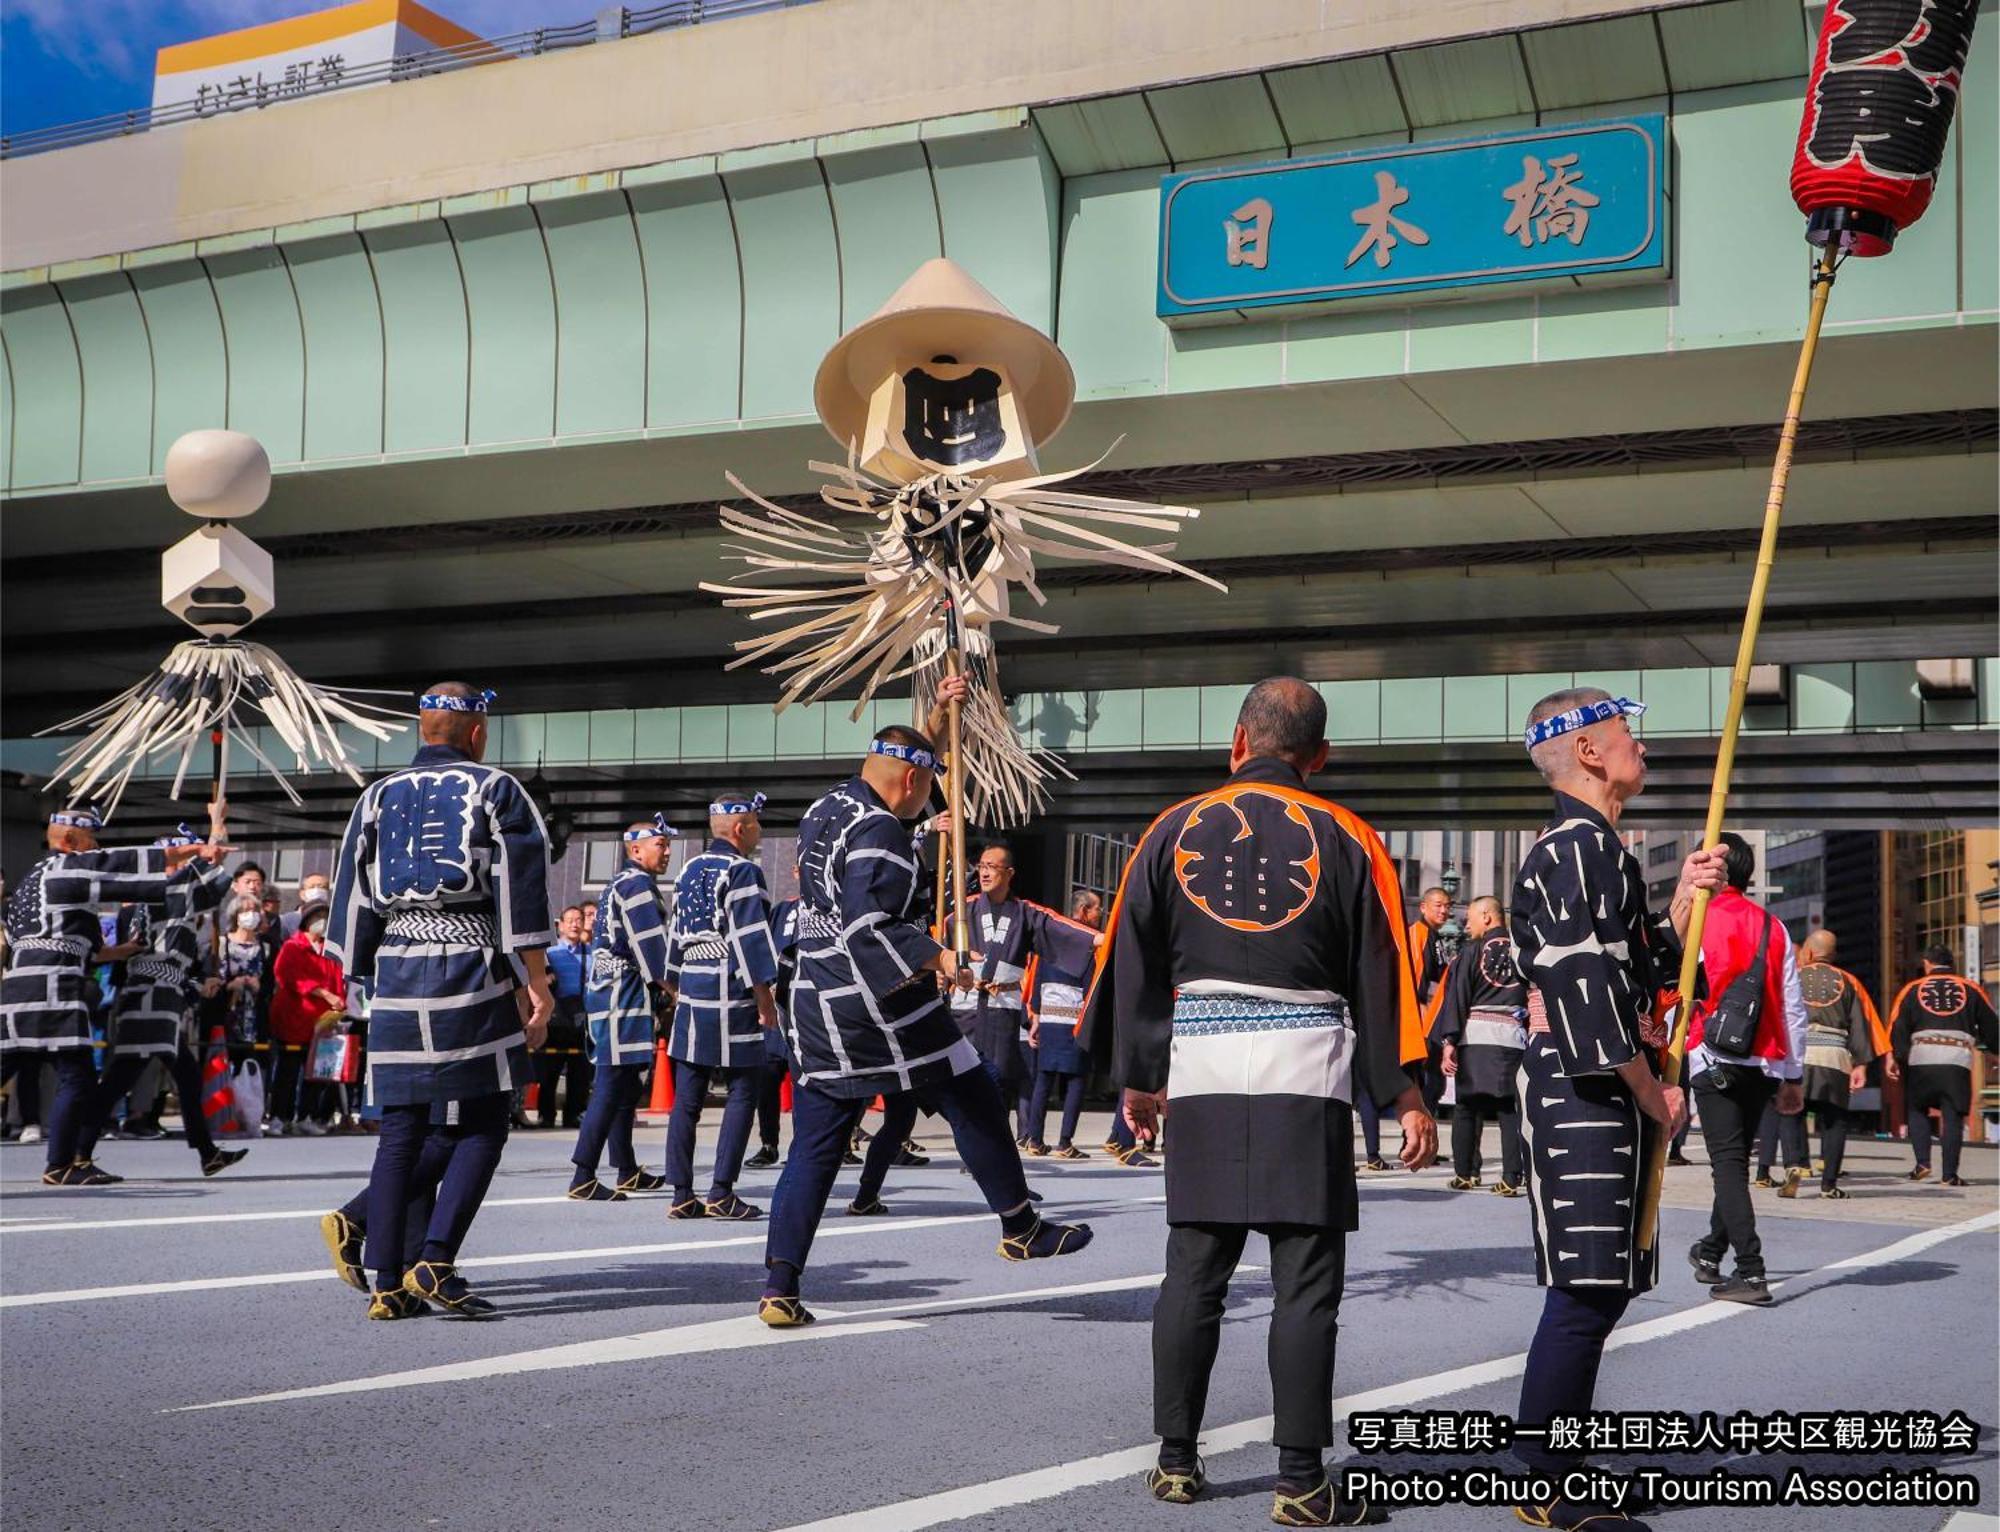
x: 308, y: 996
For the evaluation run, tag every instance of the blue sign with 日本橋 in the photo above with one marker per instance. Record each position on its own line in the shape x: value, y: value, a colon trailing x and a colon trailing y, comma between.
x: 1560, y: 205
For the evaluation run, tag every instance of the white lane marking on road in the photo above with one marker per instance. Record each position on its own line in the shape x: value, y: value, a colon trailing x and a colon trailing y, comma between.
x: 55, y: 1223
x: 679, y: 1340
x: 526, y: 1258
x: 1971, y: 1521
x: 1047, y: 1483
x: 716, y: 1335
x: 7, y: 1225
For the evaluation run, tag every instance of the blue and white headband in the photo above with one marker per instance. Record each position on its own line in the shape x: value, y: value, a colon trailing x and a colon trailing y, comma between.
x: 659, y: 827
x: 182, y: 836
x: 754, y: 804
x: 1581, y: 717
x: 915, y: 755
x: 437, y: 702
x: 78, y: 819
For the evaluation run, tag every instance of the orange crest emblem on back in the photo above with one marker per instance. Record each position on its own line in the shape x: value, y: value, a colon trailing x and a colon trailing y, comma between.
x: 1247, y: 878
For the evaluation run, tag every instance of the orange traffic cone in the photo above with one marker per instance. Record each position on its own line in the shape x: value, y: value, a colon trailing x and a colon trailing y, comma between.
x: 663, y: 1080
x: 218, y: 1096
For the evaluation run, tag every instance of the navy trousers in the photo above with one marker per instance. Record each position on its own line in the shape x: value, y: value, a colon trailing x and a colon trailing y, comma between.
x: 1561, y: 1375
x: 1371, y: 1126
x: 739, y: 1111
x: 414, y: 1157
x: 822, y: 1125
x: 899, y: 1120
x: 614, y: 1103
x: 120, y: 1074
x: 67, y: 1114
x: 1072, y: 1106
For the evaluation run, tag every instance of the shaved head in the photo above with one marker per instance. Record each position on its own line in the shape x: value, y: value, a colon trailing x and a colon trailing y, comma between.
x: 1483, y: 915
x: 1285, y: 717
x: 1820, y: 945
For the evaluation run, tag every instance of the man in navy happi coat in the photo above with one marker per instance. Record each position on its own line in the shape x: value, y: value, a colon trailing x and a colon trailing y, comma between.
x: 628, y: 965
x: 724, y: 962
x: 867, y: 1018
x: 441, y: 905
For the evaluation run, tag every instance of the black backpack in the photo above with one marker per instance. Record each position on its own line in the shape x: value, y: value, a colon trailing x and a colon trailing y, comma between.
x: 1731, y: 1029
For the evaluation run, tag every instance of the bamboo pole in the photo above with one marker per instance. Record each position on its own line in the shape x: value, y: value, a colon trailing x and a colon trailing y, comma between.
x: 943, y: 922
x: 1732, y: 723
x: 955, y: 799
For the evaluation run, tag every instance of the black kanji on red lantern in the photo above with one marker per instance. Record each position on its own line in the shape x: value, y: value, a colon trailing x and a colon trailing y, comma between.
x: 1884, y: 85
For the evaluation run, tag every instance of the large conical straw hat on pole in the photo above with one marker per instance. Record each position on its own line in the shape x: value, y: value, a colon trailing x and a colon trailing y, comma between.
x: 942, y: 311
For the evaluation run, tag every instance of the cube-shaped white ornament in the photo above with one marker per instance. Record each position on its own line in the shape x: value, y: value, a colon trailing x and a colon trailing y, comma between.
x: 216, y: 580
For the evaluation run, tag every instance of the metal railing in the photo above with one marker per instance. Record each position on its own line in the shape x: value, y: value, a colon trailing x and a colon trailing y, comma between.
x: 253, y: 93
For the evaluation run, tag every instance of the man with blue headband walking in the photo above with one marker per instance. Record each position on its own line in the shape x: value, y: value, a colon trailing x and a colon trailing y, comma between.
x: 723, y: 964
x: 628, y: 965
x: 441, y: 902
x: 867, y: 1018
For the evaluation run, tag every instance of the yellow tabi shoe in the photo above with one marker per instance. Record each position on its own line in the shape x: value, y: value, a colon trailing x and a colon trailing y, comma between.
x: 343, y: 1243
x: 783, y: 1313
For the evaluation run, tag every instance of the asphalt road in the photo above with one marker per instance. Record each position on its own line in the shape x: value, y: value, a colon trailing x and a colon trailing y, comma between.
x: 174, y: 1353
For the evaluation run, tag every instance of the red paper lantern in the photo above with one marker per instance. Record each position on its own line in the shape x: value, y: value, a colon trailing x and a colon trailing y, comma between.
x: 1884, y: 84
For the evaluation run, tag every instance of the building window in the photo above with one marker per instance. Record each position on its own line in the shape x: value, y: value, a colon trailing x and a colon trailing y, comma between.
x: 1801, y: 880
x: 1941, y: 912
x: 601, y: 860
x: 1661, y: 852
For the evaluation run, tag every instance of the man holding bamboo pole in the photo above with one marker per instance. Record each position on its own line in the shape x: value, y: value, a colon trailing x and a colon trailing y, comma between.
x: 867, y: 1019
x: 1595, y: 959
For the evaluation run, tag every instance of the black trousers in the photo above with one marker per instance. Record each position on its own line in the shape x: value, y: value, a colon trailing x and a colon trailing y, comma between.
x: 1729, y: 1118
x: 1308, y: 1268
x: 1561, y: 1373
x: 1467, y: 1116
x: 770, y: 1100
x: 1778, y: 1135
x: 1833, y: 1123
x: 292, y: 1095
x: 1951, y: 1129
x: 574, y: 1071
x: 121, y: 1071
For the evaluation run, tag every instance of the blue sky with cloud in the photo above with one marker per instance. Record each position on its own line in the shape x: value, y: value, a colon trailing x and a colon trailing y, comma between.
x: 67, y: 60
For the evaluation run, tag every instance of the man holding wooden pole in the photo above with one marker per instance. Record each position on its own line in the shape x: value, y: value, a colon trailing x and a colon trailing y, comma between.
x: 1595, y: 958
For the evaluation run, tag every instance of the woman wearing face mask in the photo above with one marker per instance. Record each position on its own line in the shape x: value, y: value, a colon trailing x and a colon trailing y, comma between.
x: 308, y: 994
x: 242, y: 1000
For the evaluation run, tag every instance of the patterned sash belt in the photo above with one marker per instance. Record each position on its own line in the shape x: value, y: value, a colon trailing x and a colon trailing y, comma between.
x: 1826, y: 1048
x: 817, y: 925
x: 62, y: 948
x: 1934, y: 1046
x: 151, y: 968
x: 706, y: 951
x: 472, y: 928
x: 1212, y: 1015
x: 1495, y: 1027
x: 606, y: 965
